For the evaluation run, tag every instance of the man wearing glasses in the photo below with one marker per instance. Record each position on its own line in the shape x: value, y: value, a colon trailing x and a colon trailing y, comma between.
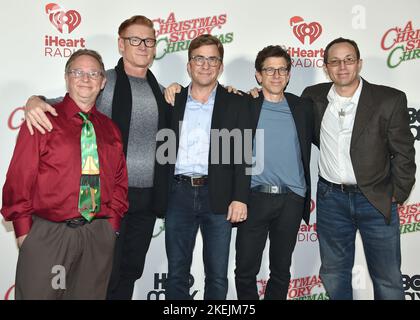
x: 133, y: 99
x: 280, y: 190
x: 366, y: 168
x: 208, y: 183
x: 66, y: 192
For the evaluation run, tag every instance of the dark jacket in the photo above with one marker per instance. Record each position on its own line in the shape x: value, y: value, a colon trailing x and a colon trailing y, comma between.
x: 227, y: 182
x: 302, y: 112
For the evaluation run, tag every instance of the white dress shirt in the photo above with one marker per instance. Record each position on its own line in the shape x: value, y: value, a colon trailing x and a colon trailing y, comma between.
x: 336, y: 130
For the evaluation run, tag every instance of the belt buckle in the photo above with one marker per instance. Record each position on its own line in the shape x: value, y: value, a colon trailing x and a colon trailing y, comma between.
x: 74, y: 223
x: 274, y: 189
x: 192, y: 181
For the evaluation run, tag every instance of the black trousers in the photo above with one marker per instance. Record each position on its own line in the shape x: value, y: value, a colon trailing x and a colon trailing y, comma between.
x: 278, y: 217
x: 132, y: 244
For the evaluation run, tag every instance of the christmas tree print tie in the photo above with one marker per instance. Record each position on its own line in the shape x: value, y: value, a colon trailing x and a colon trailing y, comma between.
x: 90, y: 194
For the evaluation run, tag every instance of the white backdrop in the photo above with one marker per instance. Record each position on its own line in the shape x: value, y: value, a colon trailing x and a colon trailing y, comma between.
x: 36, y: 44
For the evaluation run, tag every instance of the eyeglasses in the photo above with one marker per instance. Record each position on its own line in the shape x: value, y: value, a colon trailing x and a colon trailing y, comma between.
x: 213, y: 61
x: 136, y: 41
x: 79, y: 74
x: 347, y: 61
x: 271, y: 71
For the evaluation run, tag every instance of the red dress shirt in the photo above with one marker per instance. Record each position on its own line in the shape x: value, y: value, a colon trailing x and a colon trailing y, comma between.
x: 44, y: 174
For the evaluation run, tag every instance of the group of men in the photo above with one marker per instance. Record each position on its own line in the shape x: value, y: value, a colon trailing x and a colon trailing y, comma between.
x: 192, y: 164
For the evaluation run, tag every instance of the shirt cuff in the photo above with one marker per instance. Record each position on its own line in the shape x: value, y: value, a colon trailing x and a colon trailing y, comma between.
x: 115, y: 223
x: 22, y: 226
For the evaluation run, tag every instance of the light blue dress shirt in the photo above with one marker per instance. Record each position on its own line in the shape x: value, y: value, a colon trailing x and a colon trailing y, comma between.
x: 194, y: 143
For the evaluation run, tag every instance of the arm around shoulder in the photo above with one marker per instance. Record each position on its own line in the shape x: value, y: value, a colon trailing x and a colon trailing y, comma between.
x: 35, y: 116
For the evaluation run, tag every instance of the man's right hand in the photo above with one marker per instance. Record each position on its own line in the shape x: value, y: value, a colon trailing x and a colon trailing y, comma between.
x: 35, y: 110
x: 233, y: 89
x: 255, y: 92
x: 20, y: 240
x: 171, y: 91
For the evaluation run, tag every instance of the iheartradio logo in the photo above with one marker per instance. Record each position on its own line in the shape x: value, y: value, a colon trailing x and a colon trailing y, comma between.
x: 61, y: 19
x: 301, y: 29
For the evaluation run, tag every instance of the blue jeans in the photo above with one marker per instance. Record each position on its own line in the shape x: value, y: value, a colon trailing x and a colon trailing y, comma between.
x: 189, y: 210
x: 339, y: 216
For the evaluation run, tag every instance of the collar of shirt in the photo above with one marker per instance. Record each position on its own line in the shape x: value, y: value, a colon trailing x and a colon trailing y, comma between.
x: 335, y: 99
x: 280, y: 106
x: 197, y: 104
x: 71, y: 108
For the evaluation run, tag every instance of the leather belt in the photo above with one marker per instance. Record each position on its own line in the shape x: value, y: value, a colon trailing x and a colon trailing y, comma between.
x: 266, y: 188
x: 195, y: 181
x: 342, y: 187
x: 78, y: 222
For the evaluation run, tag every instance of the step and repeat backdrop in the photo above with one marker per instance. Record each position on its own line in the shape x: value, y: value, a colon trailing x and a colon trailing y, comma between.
x: 37, y: 42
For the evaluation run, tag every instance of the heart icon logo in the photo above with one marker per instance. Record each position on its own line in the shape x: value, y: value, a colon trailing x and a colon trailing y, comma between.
x: 60, y: 18
x: 301, y: 29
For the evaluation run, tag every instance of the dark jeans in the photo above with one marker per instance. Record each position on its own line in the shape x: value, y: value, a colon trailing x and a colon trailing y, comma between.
x: 277, y: 216
x: 189, y: 210
x: 339, y: 216
x: 132, y: 244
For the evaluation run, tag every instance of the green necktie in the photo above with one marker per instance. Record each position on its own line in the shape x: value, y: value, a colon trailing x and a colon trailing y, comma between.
x: 90, y: 194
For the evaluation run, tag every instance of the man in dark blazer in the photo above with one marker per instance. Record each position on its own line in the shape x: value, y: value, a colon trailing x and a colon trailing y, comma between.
x: 208, y: 183
x: 367, y: 166
x: 280, y: 183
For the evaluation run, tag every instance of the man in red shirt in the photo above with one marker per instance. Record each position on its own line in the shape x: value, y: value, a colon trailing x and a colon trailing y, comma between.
x: 67, y: 192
